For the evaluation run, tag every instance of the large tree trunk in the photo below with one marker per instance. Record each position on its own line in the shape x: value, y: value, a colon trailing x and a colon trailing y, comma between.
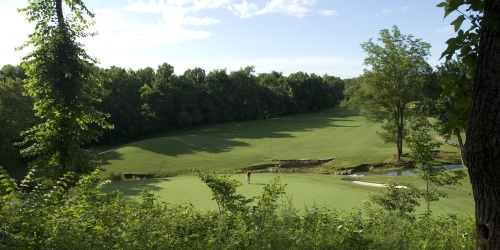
x: 483, y: 135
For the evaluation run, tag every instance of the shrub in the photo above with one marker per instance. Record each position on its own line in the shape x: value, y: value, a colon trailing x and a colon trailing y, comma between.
x: 115, y: 177
x: 83, y: 217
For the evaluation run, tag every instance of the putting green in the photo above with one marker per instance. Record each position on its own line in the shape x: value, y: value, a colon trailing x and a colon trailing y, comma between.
x: 304, y: 189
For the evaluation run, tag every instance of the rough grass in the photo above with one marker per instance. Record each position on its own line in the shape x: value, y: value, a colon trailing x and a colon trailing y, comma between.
x: 337, y: 132
x: 304, y: 189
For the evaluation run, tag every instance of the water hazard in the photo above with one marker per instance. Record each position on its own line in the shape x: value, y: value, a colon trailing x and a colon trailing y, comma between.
x: 405, y: 171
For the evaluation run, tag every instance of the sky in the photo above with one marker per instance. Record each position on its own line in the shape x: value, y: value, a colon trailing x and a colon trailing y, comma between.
x: 312, y: 36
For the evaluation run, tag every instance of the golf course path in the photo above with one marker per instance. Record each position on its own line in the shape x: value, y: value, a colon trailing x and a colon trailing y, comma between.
x: 373, y: 184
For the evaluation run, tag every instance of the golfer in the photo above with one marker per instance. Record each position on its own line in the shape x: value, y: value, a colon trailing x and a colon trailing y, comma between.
x: 249, y: 172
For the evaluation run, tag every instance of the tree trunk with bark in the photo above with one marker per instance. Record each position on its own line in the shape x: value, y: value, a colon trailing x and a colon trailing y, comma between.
x: 461, y: 146
x: 400, y: 128
x: 483, y: 135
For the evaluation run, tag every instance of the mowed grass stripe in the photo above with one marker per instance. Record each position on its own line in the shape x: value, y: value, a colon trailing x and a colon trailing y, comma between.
x: 337, y: 132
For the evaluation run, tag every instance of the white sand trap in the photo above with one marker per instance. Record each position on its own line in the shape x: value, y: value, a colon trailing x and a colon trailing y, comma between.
x: 373, y: 184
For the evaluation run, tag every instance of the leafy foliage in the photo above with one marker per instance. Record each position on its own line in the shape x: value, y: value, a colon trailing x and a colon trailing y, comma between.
x: 423, y: 151
x: 16, y: 115
x: 401, y: 198
x: 224, y: 192
x: 451, y: 107
x: 398, y: 70
x: 466, y: 41
x: 87, y: 218
x: 64, y: 78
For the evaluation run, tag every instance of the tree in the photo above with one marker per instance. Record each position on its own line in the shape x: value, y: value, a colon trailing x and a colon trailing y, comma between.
x: 220, y: 90
x: 158, y: 99
x: 479, y: 48
x: 423, y: 151
x: 245, y: 102
x: 16, y: 115
x: 12, y: 72
x: 224, y: 192
x: 451, y: 109
x: 336, y: 86
x: 66, y: 80
x: 121, y: 99
x: 398, y: 69
x: 400, y: 198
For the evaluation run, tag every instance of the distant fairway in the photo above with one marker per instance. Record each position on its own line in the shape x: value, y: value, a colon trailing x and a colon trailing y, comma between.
x: 337, y: 132
x: 305, y: 189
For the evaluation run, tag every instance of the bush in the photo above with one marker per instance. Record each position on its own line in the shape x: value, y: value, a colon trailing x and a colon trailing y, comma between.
x: 83, y: 217
x: 115, y: 177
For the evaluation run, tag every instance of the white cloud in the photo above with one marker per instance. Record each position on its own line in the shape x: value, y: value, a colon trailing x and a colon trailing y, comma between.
x: 328, y: 12
x: 175, y: 23
x: 297, y: 8
x: 244, y: 9
x: 389, y: 11
x: 194, y: 21
x: 208, y: 4
x: 105, y: 15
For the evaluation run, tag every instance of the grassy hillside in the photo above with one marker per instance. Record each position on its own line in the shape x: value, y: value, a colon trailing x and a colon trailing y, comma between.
x: 337, y: 132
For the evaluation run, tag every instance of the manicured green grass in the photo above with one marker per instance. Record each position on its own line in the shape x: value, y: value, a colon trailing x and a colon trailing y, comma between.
x: 304, y: 189
x: 337, y: 132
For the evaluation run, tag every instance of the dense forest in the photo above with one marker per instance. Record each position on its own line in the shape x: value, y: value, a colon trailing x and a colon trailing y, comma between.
x: 145, y: 102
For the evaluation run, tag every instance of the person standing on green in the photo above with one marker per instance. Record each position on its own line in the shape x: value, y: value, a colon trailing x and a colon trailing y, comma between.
x: 249, y: 172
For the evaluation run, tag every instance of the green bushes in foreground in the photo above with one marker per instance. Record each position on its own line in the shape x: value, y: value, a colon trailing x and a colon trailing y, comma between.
x: 83, y: 217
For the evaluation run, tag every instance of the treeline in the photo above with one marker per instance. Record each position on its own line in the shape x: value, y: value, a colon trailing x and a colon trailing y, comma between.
x: 16, y: 115
x: 147, y: 101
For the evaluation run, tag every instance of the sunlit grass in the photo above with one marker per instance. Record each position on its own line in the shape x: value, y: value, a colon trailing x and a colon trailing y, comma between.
x: 330, y: 191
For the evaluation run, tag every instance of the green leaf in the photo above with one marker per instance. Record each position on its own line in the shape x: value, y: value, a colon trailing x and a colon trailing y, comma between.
x: 442, y: 4
x: 458, y: 22
x: 470, y: 60
x: 463, y: 103
x: 452, y: 42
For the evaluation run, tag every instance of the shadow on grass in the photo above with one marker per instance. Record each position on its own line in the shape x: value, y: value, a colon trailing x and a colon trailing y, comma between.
x: 106, y: 156
x: 134, y: 187
x: 221, y: 138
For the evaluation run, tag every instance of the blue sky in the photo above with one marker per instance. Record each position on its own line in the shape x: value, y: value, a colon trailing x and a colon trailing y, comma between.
x: 313, y: 36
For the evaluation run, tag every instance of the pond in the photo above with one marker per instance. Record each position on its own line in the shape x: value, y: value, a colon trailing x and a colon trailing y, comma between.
x: 405, y: 171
